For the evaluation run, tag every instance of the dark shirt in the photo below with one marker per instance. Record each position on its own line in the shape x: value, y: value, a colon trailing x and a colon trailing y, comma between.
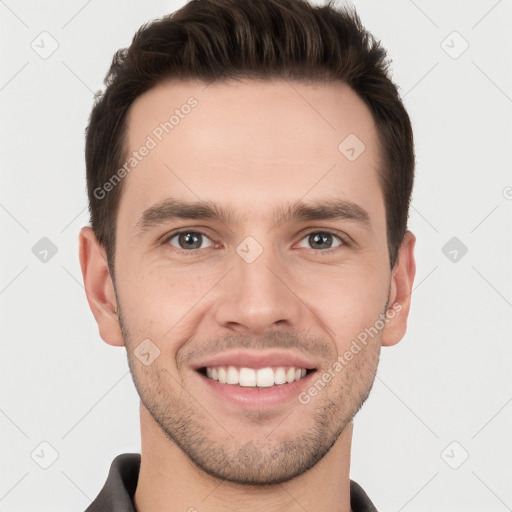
x: 118, y: 491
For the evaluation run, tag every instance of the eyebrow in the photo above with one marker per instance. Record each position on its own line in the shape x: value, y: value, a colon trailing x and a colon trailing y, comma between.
x: 173, y: 209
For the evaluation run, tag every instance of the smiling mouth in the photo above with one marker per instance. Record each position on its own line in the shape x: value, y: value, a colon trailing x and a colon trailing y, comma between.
x: 257, y: 378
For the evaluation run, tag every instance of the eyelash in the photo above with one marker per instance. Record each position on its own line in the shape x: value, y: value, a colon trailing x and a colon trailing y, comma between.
x: 170, y: 236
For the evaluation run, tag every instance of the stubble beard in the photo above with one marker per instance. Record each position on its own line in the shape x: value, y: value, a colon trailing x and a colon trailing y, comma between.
x: 260, y: 462
x: 267, y: 460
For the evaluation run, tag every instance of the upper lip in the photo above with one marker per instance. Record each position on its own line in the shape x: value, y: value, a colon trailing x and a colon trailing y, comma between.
x: 261, y: 359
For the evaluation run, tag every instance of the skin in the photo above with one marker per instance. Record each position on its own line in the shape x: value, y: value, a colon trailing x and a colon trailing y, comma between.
x: 252, y: 146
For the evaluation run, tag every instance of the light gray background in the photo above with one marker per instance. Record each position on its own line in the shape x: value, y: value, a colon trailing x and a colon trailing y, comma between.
x: 447, y: 381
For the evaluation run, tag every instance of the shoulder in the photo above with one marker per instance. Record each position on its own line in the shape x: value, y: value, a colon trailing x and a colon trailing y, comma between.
x: 359, y: 500
x: 117, y: 493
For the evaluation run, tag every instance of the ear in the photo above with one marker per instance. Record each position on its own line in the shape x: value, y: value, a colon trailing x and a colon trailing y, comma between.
x: 402, y: 278
x: 99, y: 287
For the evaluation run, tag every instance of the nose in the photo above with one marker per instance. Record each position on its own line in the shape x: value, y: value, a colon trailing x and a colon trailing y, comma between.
x: 258, y: 296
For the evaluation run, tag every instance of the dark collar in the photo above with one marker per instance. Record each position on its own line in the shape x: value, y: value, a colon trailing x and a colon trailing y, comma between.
x: 117, y: 493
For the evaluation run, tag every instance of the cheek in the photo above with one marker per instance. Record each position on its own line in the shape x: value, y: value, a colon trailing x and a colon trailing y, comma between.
x: 346, y: 299
x: 164, y: 300
x: 158, y: 301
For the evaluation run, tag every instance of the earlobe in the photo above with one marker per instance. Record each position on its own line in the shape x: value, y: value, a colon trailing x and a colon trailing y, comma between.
x: 402, y: 279
x: 99, y: 287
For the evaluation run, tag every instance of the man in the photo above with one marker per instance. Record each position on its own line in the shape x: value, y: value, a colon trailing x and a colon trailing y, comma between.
x: 249, y: 170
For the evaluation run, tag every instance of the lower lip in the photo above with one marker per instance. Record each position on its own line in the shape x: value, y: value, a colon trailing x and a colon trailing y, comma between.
x: 251, y: 397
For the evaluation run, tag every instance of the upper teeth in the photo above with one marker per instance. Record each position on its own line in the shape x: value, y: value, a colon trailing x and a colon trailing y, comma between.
x: 262, y: 378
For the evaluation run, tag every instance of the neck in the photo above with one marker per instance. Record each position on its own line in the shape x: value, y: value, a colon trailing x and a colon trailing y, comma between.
x: 169, y: 481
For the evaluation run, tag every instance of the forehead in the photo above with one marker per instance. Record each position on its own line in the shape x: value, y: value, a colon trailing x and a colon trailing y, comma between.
x: 251, y: 141
x: 313, y: 115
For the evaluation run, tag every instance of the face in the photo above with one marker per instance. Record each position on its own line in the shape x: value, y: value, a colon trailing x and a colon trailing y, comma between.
x: 251, y: 258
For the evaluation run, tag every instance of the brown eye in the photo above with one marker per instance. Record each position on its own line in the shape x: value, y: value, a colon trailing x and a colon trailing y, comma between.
x: 188, y: 240
x: 322, y: 240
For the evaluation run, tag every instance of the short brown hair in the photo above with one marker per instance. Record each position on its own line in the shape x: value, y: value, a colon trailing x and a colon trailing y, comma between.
x: 216, y: 40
